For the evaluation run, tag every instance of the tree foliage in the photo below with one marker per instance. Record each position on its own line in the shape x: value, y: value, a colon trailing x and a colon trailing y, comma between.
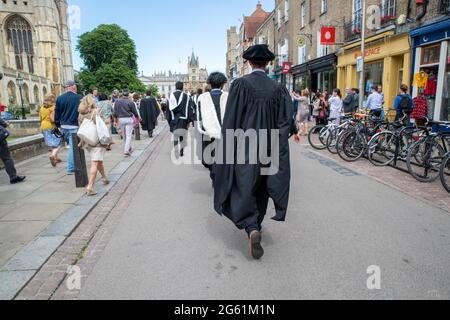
x: 153, y: 88
x: 110, y: 60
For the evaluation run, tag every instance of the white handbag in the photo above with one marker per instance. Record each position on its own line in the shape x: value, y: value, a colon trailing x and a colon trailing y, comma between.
x: 102, y: 131
x: 88, y: 132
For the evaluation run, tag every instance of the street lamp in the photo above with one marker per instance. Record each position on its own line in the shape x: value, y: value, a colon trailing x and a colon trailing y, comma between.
x: 20, y: 83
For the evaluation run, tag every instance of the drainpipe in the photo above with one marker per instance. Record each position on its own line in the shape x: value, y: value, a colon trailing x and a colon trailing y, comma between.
x: 424, y: 10
x: 409, y: 9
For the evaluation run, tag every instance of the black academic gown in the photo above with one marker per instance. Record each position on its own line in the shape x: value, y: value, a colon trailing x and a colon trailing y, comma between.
x: 181, y: 116
x: 241, y: 192
x: 149, y: 113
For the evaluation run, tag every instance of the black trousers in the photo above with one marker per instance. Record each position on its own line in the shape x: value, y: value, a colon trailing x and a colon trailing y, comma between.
x: 8, y: 160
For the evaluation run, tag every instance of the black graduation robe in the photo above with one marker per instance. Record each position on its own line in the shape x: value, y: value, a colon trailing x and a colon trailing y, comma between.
x: 149, y: 113
x: 180, y: 111
x: 241, y: 193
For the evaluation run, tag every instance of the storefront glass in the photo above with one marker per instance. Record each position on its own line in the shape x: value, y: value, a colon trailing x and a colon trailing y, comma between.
x: 302, y: 82
x: 445, y: 110
x: 373, y: 73
x: 327, y: 80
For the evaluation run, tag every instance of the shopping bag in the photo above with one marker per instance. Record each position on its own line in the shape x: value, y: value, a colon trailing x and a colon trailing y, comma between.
x: 103, y: 132
x: 88, y: 132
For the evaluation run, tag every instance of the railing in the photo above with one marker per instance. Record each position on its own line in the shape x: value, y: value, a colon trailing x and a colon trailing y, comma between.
x: 444, y: 7
x: 352, y: 30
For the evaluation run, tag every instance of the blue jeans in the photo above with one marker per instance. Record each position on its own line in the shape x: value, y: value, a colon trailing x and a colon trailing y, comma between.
x: 67, y: 133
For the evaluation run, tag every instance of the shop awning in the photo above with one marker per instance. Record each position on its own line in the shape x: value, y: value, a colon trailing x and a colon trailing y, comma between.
x: 437, y: 31
x: 317, y: 65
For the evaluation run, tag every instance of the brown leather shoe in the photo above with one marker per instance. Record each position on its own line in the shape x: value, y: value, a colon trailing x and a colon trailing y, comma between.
x: 53, y: 161
x: 256, y: 249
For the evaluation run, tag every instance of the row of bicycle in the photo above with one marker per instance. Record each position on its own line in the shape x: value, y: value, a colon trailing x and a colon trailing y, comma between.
x: 425, y: 148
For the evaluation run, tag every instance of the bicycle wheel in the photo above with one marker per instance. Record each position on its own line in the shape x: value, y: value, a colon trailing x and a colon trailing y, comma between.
x: 353, y: 146
x: 445, y: 173
x: 317, y: 137
x: 424, y: 160
x: 381, y: 149
x: 332, y: 140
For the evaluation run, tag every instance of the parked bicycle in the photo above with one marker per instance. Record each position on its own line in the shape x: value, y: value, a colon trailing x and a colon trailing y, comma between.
x: 353, y: 143
x: 426, y: 156
x: 393, y: 144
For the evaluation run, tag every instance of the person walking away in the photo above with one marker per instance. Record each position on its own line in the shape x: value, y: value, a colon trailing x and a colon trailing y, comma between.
x: 5, y: 155
x: 212, y: 107
x: 403, y: 104
x: 149, y: 113
x: 51, y: 134
x: 242, y: 191
x: 105, y: 110
x: 88, y: 110
x: 66, y: 119
x: 179, y: 117
x: 125, y: 113
x: 336, y: 106
x: 164, y: 106
x: 302, y: 112
x: 375, y: 103
x: 349, y: 102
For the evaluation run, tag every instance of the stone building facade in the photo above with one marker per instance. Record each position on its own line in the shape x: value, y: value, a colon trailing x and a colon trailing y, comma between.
x: 195, y: 78
x: 246, y: 38
x: 35, y: 44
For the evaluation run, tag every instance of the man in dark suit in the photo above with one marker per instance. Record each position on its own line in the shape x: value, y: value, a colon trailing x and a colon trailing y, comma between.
x: 8, y: 160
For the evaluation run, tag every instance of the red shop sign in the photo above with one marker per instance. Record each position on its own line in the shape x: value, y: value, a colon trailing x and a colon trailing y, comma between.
x: 287, y: 67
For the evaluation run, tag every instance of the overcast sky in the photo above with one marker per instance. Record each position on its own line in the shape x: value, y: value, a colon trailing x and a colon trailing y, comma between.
x: 166, y: 32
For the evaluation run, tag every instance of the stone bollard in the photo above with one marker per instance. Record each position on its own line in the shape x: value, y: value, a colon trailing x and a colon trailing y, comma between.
x: 81, y: 176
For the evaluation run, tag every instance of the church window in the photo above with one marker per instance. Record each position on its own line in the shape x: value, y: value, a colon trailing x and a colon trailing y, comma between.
x: 20, y: 38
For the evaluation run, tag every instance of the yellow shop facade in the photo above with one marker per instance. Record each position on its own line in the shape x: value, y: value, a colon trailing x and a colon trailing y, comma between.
x: 387, y: 63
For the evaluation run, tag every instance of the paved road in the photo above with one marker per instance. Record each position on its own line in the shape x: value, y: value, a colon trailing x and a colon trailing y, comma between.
x: 171, y: 245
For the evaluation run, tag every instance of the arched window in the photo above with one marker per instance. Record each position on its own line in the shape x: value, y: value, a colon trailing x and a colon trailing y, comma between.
x: 12, y: 96
x: 36, y: 95
x: 20, y: 37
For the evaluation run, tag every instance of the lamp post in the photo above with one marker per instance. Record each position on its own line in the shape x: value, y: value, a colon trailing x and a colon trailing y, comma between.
x: 363, y: 55
x: 20, y: 83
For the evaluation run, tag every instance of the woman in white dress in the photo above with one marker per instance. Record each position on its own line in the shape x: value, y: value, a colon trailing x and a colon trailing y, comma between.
x: 336, y: 106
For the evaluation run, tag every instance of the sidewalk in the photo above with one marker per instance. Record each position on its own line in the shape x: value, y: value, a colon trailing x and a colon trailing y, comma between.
x: 37, y: 215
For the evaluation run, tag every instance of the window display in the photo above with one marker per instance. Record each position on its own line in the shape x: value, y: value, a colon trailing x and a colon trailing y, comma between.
x: 430, y: 55
x: 445, y: 113
x: 373, y: 73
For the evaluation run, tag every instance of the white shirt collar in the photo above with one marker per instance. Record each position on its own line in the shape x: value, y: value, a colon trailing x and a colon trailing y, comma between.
x: 259, y: 70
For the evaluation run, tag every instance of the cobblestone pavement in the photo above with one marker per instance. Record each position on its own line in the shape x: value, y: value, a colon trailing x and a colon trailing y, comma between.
x: 142, y: 242
x: 93, y: 232
x: 432, y: 193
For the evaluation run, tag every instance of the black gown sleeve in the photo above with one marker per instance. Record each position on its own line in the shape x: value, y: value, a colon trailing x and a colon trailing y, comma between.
x: 224, y: 173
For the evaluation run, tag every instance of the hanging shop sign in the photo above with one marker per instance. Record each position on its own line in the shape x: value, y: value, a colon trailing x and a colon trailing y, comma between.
x: 301, y: 41
x: 328, y: 35
x: 287, y: 67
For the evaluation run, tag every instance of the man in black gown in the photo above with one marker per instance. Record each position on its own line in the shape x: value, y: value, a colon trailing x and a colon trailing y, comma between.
x: 179, y: 116
x: 242, y: 191
x: 149, y: 113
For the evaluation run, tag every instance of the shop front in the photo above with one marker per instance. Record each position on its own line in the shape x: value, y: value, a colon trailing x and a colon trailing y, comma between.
x: 431, y: 68
x: 318, y: 74
x: 387, y: 64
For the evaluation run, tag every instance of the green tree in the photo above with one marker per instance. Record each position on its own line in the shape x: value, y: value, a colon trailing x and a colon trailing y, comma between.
x: 153, y: 88
x: 110, y: 59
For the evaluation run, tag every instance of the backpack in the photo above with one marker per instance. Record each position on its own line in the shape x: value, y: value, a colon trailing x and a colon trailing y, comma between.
x: 406, y: 105
x: 4, y: 134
